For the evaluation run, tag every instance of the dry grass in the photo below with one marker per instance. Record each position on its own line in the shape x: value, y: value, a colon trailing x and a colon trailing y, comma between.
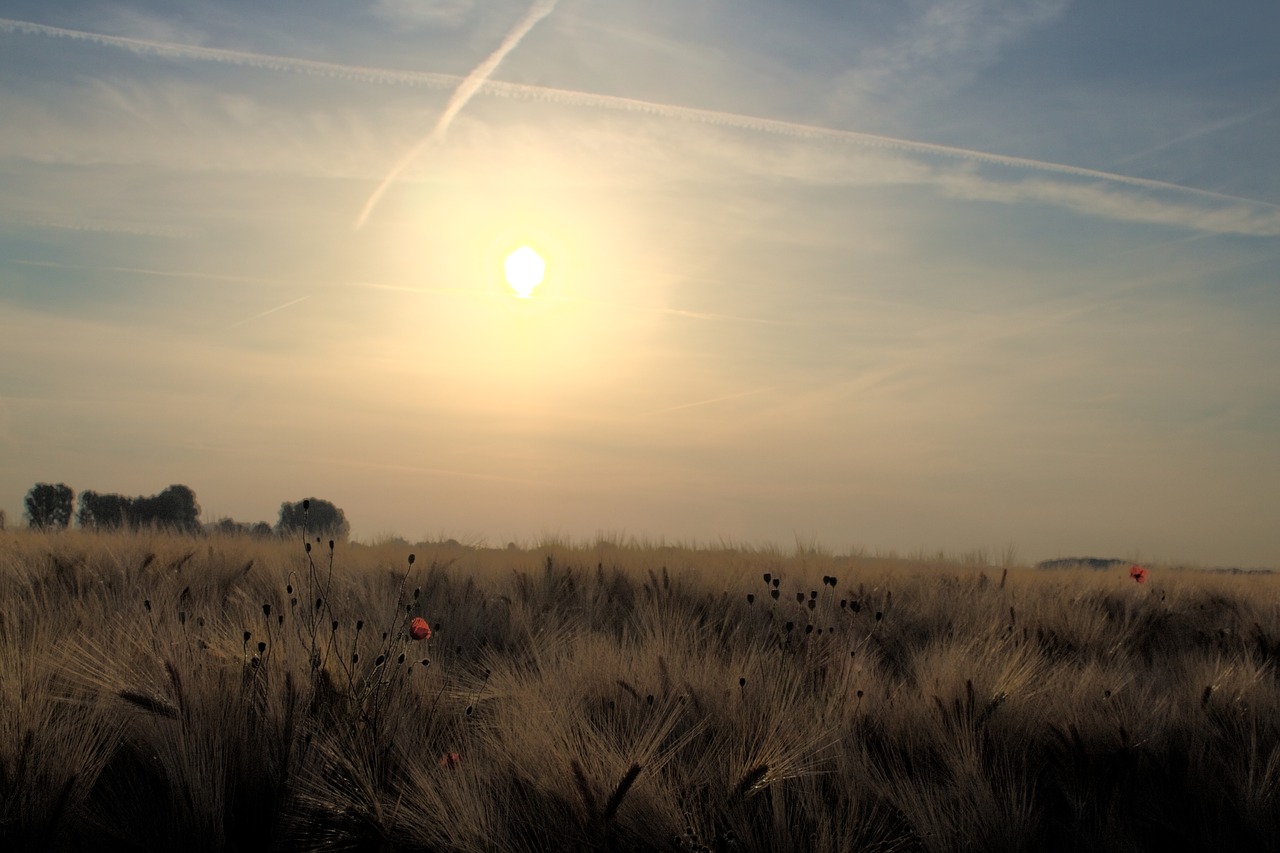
x: 162, y: 692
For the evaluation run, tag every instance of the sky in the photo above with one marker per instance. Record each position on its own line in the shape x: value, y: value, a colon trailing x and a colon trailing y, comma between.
x: 896, y: 275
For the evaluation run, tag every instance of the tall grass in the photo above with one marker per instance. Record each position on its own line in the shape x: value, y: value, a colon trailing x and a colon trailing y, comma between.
x: 234, y: 694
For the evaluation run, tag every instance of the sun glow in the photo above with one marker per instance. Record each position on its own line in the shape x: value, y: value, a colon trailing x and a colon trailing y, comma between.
x: 524, y: 269
x: 531, y: 296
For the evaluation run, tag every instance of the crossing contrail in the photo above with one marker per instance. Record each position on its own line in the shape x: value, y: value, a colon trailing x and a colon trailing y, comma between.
x: 470, y: 85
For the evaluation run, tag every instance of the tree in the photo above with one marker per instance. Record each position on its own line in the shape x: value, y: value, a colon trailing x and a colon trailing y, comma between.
x: 175, y: 509
x: 312, y: 516
x: 104, y: 512
x: 48, y: 506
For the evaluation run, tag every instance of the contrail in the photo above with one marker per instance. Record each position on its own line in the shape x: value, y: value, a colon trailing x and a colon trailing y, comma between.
x: 240, y: 279
x: 796, y: 130
x: 707, y: 315
x: 68, y: 223
x: 590, y: 100
x: 265, y: 61
x: 400, y: 288
x: 1212, y: 127
x: 470, y: 85
x: 709, y: 401
x: 449, y: 472
x: 269, y: 311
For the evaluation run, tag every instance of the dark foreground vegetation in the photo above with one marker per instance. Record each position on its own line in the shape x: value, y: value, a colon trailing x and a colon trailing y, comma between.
x: 164, y: 692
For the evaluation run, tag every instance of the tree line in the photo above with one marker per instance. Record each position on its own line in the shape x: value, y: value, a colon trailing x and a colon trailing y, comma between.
x: 49, y: 506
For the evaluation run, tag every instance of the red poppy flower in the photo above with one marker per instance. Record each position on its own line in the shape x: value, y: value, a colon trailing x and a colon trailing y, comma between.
x: 1138, y: 573
x: 419, y: 629
x: 450, y: 760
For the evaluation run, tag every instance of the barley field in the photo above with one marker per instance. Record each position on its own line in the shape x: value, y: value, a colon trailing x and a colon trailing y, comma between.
x: 163, y: 691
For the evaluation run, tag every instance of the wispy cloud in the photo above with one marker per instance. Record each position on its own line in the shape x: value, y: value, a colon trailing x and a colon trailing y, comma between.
x: 723, y: 398
x: 940, y: 48
x: 1256, y: 219
x: 574, y: 98
x: 413, y: 14
x: 709, y: 316
x: 1229, y: 213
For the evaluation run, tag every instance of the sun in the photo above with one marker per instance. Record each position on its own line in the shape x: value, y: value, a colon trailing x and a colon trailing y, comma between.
x: 524, y: 268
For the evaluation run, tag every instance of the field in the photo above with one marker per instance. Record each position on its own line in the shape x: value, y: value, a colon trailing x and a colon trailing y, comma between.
x: 162, y: 692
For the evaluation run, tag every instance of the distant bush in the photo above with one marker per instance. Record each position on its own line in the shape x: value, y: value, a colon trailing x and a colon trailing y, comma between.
x: 1098, y: 564
x: 312, y: 517
x: 231, y: 527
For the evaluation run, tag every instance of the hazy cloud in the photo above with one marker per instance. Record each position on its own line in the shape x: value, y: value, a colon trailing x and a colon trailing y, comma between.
x: 412, y: 14
x: 941, y: 48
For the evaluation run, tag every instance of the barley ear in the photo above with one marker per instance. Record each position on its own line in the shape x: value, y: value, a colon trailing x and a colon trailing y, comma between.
x: 147, y: 703
x: 750, y: 780
x: 628, y: 779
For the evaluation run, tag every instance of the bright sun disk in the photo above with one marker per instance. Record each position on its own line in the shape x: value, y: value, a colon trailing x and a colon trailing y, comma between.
x: 524, y: 269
